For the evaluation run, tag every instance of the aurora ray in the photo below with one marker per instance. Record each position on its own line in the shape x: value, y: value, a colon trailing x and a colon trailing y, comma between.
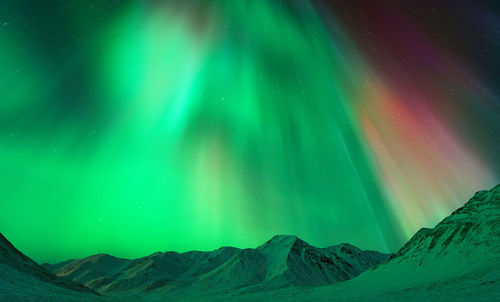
x: 175, y: 125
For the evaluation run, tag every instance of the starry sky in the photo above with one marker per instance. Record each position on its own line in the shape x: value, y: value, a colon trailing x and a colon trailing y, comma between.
x: 130, y: 127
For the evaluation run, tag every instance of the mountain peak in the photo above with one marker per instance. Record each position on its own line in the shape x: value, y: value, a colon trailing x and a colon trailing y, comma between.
x: 283, y: 240
x: 281, y: 245
x: 283, y: 237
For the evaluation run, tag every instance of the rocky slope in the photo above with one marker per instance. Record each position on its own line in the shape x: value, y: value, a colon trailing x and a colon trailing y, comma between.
x: 283, y: 261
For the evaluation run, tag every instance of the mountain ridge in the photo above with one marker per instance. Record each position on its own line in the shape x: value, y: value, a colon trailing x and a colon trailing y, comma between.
x: 284, y: 260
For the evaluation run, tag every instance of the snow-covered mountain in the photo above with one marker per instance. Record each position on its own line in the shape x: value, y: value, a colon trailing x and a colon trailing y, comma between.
x: 292, y: 261
x: 281, y: 262
x: 457, y: 260
x: 21, y: 278
x: 465, y: 242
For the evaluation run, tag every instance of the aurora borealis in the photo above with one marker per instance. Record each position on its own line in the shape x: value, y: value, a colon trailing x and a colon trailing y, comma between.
x: 134, y: 127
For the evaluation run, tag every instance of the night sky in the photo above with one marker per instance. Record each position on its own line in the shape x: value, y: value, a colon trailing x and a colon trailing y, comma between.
x: 134, y: 127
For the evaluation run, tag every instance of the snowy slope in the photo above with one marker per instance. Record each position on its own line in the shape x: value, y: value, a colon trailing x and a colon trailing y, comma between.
x: 10, y: 256
x: 21, y: 279
x: 465, y: 242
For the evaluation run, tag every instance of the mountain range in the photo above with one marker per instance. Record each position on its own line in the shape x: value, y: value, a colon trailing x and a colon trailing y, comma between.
x: 283, y: 261
x: 457, y: 260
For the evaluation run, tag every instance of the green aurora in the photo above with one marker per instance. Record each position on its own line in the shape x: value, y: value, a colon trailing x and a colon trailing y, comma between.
x: 174, y: 126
